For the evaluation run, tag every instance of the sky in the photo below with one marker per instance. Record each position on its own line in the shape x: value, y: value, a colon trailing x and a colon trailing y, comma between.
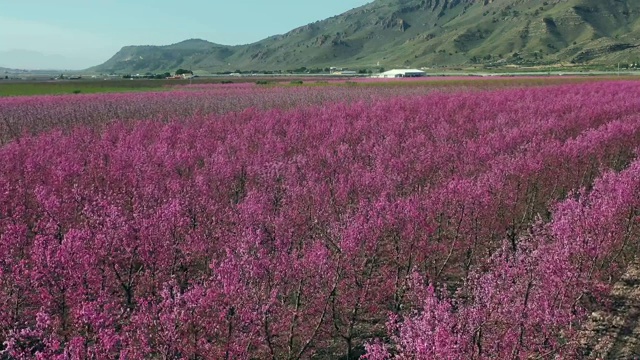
x: 76, y: 34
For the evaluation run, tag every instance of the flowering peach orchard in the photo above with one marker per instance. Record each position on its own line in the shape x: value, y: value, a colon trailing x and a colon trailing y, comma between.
x: 314, y: 222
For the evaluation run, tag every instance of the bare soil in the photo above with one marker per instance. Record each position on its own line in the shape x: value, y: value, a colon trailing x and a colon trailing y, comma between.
x: 615, y: 333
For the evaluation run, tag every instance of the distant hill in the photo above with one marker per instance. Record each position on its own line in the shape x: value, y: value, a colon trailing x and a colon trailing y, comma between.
x: 416, y: 33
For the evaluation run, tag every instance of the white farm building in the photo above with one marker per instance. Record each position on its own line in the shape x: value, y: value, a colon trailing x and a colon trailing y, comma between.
x: 401, y: 73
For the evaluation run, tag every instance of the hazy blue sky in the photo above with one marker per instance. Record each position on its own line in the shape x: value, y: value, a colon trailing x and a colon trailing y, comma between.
x: 83, y: 33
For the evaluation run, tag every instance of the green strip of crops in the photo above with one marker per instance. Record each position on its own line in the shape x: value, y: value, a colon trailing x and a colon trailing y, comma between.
x: 27, y: 88
x: 456, y: 82
x: 80, y: 87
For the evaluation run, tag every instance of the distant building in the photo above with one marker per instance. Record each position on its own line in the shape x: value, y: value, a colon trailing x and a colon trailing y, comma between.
x: 401, y: 73
x: 345, y: 72
x: 341, y: 71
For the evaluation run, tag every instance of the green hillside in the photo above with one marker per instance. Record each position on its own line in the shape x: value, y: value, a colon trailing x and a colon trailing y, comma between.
x: 420, y: 33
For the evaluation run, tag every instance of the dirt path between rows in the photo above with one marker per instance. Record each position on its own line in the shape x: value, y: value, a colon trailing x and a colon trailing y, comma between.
x: 615, y: 333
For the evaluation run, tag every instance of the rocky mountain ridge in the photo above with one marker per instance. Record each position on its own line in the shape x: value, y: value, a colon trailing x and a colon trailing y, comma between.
x: 419, y: 33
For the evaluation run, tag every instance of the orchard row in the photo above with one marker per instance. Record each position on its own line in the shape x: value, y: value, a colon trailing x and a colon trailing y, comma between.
x: 450, y: 225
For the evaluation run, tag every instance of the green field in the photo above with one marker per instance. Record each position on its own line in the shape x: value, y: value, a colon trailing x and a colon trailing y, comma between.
x: 28, y: 88
x: 39, y: 87
x: 22, y: 88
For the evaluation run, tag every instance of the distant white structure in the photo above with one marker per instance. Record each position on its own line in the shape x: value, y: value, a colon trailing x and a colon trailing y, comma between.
x: 401, y: 73
x: 341, y: 71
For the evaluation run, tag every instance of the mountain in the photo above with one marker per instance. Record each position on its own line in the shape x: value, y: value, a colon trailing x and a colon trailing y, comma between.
x: 416, y: 33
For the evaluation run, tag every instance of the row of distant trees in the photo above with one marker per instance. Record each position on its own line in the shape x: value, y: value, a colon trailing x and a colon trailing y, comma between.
x: 158, y: 76
x: 300, y: 70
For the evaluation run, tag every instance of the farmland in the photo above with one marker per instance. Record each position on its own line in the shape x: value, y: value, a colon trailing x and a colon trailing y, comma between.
x: 91, y: 86
x: 443, y: 219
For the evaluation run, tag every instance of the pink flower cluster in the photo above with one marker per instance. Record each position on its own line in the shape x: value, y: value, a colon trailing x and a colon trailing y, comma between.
x: 21, y: 116
x: 526, y: 301
x: 296, y: 230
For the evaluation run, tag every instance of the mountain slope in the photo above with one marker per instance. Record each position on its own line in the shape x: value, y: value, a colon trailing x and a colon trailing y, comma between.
x: 394, y: 33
